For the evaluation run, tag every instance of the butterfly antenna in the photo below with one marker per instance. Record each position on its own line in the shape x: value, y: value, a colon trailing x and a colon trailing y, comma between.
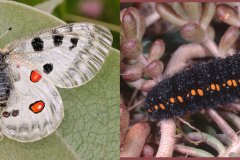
x: 9, y: 29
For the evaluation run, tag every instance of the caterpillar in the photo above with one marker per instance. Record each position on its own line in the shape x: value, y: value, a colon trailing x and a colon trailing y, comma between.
x: 204, y: 85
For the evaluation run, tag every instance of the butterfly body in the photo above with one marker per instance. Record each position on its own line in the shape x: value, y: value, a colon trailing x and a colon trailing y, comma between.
x: 31, y: 68
x: 4, y: 85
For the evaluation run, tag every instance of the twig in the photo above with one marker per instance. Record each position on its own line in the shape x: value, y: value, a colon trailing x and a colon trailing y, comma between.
x: 191, y: 151
x: 208, y: 139
x: 142, y: 59
x: 194, y: 128
x: 233, y: 151
x: 136, y: 104
x: 232, y: 118
x: 211, y: 45
x: 137, y: 84
x: 223, y: 125
x: 133, y: 97
x: 224, y: 139
x: 236, y: 106
x: 152, y: 18
x: 167, y: 141
x: 184, y: 53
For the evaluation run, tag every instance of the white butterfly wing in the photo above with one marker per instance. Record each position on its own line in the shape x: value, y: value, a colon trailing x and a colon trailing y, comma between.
x: 34, y: 110
x: 69, y: 55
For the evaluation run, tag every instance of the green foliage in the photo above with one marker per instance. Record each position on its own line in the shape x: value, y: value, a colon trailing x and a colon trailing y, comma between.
x: 30, y: 2
x: 90, y: 129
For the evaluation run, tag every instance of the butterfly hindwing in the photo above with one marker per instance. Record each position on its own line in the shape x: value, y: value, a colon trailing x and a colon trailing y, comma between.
x: 34, y: 109
x: 69, y: 55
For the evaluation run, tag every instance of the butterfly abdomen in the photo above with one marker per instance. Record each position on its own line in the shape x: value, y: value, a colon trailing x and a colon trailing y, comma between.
x: 4, y: 87
x: 203, y: 86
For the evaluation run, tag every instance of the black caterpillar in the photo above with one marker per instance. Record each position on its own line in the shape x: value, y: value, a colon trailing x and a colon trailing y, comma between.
x: 204, y: 85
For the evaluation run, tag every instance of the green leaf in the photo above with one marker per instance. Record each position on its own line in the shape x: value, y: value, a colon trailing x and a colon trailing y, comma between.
x: 48, y: 6
x: 23, y: 20
x: 90, y: 129
x: 31, y: 2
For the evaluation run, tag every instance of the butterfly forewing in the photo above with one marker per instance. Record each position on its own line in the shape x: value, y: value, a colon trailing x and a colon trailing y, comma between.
x: 68, y: 55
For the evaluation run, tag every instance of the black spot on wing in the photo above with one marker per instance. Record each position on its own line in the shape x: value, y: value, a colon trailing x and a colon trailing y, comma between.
x: 54, y: 31
x: 47, y: 68
x: 37, y: 44
x: 15, y: 113
x: 3, y: 105
x: 57, y: 40
x: 74, y: 42
x: 70, y: 28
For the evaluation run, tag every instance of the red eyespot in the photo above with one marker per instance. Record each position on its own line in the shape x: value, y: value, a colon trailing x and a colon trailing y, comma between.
x: 6, y: 114
x: 37, y: 106
x: 35, y: 76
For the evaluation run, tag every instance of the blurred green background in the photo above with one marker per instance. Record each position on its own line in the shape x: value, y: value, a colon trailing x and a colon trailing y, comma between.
x: 105, y: 12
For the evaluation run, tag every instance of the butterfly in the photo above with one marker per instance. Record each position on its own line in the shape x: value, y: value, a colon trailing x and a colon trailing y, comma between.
x: 31, y: 68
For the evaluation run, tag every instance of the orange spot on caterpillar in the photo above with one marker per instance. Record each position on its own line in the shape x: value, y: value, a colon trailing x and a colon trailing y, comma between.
x: 200, y: 92
x: 229, y: 83
x: 224, y: 84
x: 218, y: 87
x: 207, y: 89
x: 162, y: 106
x: 234, y: 83
x: 37, y: 106
x: 187, y: 95
x: 172, y: 100
x: 35, y: 76
x: 179, y: 98
x: 213, y: 87
x: 193, y: 92
x: 156, y: 107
